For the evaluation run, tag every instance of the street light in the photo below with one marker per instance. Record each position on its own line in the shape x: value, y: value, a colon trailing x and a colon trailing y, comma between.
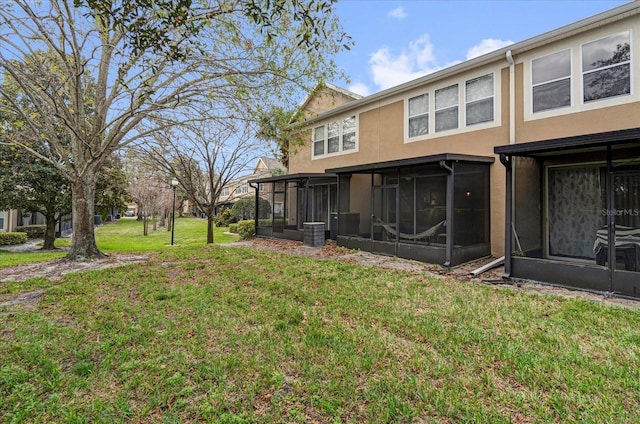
x: 174, y: 185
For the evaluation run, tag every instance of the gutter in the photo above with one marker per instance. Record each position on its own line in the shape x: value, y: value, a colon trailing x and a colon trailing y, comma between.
x: 512, y: 97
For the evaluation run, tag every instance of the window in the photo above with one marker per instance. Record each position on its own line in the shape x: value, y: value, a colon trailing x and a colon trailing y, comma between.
x: 447, y: 108
x: 318, y: 141
x: 242, y: 188
x: 606, y: 67
x: 260, y: 187
x: 349, y: 133
x: 551, y: 81
x: 333, y: 134
x: 224, y: 191
x: 479, y: 98
x: 419, y: 115
x: 2, y: 219
x: 340, y: 137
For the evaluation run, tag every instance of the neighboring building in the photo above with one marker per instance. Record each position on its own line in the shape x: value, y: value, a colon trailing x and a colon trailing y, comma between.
x: 533, y: 149
x: 240, y: 188
x: 8, y: 220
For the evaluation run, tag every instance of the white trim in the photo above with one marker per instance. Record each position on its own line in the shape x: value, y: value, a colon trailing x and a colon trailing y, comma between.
x: 462, y: 104
x: 577, y: 95
x: 340, y: 120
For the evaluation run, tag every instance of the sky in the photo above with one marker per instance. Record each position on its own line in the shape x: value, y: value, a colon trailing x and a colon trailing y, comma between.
x: 397, y: 41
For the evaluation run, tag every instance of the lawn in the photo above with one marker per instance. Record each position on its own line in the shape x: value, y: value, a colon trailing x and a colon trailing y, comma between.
x: 231, y: 335
x: 126, y: 236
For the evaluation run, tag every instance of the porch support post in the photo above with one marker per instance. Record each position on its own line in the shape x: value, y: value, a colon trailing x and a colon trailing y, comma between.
x: 449, y: 212
x: 508, y: 223
x: 256, y: 210
x: 306, y: 200
x: 611, y: 219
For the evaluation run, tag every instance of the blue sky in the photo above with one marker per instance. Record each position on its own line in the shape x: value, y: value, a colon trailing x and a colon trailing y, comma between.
x: 397, y: 41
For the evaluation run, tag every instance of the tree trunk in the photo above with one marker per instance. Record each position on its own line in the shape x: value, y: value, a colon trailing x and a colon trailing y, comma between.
x: 83, y: 241
x: 209, y: 228
x: 50, y: 232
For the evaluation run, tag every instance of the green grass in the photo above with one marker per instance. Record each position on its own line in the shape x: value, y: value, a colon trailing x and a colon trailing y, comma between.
x: 126, y: 236
x: 230, y: 335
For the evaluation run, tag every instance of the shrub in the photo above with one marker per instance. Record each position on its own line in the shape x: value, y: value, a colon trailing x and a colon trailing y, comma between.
x: 266, y: 222
x: 12, y: 238
x: 223, y: 218
x: 233, y: 228
x: 32, y: 231
x: 247, y: 228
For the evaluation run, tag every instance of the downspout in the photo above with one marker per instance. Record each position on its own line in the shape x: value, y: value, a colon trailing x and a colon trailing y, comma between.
x: 256, y: 206
x: 508, y: 223
x: 512, y: 97
x: 449, y: 213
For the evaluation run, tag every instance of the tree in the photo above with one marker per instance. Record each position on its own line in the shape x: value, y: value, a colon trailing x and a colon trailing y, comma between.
x: 205, y: 157
x: 117, y: 72
x: 111, y: 188
x: 34, y: 186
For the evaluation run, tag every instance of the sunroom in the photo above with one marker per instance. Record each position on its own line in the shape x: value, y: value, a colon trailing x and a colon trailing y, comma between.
x: 285, y: 202
x: 433, y: 209
x: 573, y: 211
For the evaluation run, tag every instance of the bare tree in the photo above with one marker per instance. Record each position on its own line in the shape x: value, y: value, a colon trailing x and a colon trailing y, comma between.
x: 205, y: 157
x: 135, y: 89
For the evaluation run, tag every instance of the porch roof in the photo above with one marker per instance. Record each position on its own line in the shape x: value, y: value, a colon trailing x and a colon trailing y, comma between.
x: 580, y: 143
x: 422, y: 160
x: 290, y: 177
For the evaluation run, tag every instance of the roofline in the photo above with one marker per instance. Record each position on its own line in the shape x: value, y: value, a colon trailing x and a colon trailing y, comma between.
x: 289, y: 177
x: 533, y: 148
x: 311, y: 93
x: 422, y: 160
x: 606, y: 17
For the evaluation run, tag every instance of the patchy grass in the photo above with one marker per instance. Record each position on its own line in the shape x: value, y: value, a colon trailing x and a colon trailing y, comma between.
x: 125, y: 236
x: 229, y: 335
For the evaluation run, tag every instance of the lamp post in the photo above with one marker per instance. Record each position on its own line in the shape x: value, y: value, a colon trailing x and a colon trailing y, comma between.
x: 174, y: 185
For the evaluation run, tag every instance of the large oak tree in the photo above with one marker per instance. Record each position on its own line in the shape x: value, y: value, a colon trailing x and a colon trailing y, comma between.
x: 153, y: 63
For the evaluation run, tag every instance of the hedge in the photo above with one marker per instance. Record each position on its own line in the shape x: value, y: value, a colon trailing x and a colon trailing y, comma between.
x: 33, y: 231
x: 12, y: 238
x: 233, y: 228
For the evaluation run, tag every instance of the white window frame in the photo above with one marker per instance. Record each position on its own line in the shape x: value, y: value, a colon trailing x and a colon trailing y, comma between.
x: 449, y: 107
x: 532, y: 85
x: 5, y: 225
x: 325, y: 140
x: 629, y: 62
x: 225, y: 191
x: 419, y: 115
x: 492, y: 97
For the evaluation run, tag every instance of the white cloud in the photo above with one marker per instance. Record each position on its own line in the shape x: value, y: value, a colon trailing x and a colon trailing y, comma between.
x: 390, y: 69
x: 398, y: 13
x: 360, y: 88
x: 486, y: 46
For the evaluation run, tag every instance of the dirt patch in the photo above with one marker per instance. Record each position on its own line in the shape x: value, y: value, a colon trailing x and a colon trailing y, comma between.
x: 54, y: 270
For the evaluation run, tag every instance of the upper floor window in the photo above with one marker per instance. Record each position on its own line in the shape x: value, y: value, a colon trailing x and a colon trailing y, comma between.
x: 419, y: 115
x: 242, y: 188
x: 606, y: 67
x: 447, y: 108
x: 260, y: 187
x: 551, y: 80
x: 224, y: 191
x: 334, y: 137
x: 479, y: 99
x: 318, y: 141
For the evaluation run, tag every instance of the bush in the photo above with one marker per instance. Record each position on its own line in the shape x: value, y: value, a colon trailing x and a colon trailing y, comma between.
x: 33, y: 231
x: 12, y: 238
x: 223, y: 218
x: 233, y: 228
x: 247, y: 228
x: 266, y: 222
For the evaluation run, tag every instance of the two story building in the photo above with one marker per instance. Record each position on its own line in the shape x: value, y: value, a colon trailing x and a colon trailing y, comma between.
x: 531, y: 152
